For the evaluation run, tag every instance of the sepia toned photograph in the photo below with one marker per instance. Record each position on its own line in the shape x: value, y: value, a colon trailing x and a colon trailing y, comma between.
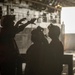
x: 37, y: 37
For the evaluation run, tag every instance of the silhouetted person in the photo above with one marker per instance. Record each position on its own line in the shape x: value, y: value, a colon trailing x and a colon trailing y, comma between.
x: 55, y: 52
x: 36, y: 53
x: 9, y: 52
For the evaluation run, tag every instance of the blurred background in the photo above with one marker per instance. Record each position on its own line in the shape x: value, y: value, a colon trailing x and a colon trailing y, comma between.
x: 58, y: 12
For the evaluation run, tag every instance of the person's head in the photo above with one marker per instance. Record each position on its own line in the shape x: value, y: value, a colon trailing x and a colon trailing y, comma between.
x: 7, y: 21
x: 54, y: 31
x: 37, y: 35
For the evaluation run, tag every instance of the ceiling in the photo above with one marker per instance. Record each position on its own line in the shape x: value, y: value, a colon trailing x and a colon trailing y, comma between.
x: 52, y: 2
x: 68, y: 3
x: 41, y: 4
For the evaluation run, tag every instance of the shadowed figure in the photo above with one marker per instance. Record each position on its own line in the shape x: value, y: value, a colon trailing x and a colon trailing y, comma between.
x: 55, y: 52
x: 9, y: 52
x: 35, y: 63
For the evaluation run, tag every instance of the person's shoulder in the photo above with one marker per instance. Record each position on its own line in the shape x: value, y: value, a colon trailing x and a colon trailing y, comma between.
x: 30, y: 47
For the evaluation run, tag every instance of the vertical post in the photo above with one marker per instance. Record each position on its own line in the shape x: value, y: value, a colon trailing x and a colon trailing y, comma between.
x: 59, y: 16
x: 8, y: 12
x: 63, y: 33
x: 68, y: 59
x: 58, y: 7
x: 19, y: 68
x: 70, y: 67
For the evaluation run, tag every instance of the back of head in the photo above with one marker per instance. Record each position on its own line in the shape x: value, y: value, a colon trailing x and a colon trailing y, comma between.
x: 7, y: 20
x: 54, y: 31
x: 37, y: 35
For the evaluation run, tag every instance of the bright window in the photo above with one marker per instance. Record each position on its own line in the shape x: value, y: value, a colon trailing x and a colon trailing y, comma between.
x: 68, y: 17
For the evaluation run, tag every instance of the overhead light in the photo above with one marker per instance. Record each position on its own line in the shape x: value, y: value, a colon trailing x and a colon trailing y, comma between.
x: 58, y: 7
